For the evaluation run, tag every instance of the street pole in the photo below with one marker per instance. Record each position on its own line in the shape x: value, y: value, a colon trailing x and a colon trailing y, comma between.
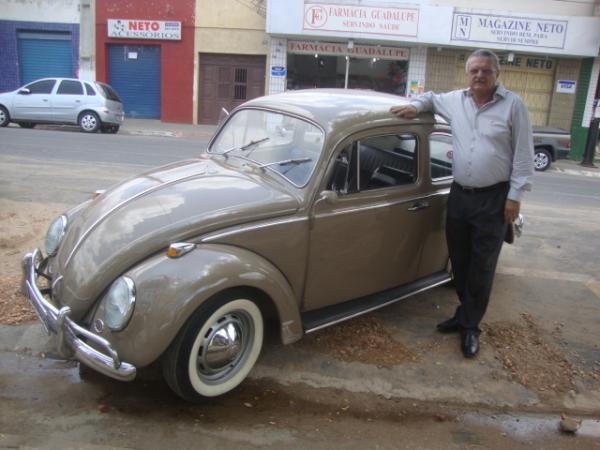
x: 592, y: 138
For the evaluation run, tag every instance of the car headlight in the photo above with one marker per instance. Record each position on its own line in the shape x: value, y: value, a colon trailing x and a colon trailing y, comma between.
x: 56, y: 232
x: 119, y: 302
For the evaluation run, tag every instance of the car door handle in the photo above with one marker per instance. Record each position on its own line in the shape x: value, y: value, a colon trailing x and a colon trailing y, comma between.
x: 419, y: 205
x: 45, y: 99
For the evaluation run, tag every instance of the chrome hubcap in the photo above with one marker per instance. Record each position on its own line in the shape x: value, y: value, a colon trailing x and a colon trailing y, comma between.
x: 2, y: 116
x: 88, y: 122
x: 540, y: 161
x: 224, y: 346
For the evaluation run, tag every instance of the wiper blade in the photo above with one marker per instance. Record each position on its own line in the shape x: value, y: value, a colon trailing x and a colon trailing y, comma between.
x: 245, y: 146
x: 286, y: 162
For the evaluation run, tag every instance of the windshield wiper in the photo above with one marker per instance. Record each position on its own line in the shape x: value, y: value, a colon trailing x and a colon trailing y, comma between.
x: 245, y: 146
x: 286, y: 162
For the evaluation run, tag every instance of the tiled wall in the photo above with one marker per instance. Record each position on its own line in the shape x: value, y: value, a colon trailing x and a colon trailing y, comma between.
x: 277, y: 57
x: 562, y: 106
x: 417, y: 66
x: 9, y: 61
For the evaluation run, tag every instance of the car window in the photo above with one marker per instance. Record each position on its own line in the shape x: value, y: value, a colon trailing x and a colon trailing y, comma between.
x: 376, y: 162
x: 41, y: 87
x: 109, y: 92
x: 70, y: 87
x: 89, y: 90
x: 440, y: 155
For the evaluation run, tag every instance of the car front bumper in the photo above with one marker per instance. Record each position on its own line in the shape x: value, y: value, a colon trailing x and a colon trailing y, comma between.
x: 72, y: 339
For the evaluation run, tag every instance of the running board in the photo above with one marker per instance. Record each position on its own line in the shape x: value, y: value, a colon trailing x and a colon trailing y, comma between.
x: 331, y: 315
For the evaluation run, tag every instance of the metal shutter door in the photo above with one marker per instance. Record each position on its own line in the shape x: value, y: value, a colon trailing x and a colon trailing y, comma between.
x: 44, y: 55
x: 134, y: 72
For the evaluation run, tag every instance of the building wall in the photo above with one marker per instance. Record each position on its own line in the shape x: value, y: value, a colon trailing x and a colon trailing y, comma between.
x: 550, y: 7
x: 226, y: 27
x: 9, y: 60
x: 177, y: 57
x: 49, y: 11
x: 36, y: 16
x: 561, y: 110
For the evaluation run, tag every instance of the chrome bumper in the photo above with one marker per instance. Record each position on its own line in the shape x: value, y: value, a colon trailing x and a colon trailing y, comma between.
x: 70, y: 343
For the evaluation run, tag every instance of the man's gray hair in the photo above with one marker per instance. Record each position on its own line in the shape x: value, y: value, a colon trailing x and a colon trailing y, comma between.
x: 483, y: 53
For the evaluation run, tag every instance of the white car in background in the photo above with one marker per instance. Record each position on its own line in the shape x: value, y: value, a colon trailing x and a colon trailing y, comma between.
x: 90, y: 104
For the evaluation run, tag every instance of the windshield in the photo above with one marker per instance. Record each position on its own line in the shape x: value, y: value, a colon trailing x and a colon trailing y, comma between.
x: 274, y: 141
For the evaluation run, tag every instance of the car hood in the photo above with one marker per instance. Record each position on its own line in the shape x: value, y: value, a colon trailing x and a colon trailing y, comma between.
x: 145, y: 214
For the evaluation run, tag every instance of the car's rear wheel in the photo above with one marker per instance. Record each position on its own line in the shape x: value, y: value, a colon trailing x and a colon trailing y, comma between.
x: 216, y: 349
x: 541, y: 159
x: 89, y: 122
x: 26, y: 124
x: 4, y: 117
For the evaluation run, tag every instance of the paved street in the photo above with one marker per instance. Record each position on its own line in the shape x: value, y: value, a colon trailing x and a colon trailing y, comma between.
x: 540, y: 355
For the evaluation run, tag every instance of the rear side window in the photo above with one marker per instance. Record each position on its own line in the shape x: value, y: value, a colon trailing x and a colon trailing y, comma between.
x: 89, y: 90
x: 70, y: 87
x: 440, y: 154
x: 41, y: 87
x: 109, y: 92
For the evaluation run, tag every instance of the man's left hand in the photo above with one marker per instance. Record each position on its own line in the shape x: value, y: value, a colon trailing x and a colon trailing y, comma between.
x: 511, y: 210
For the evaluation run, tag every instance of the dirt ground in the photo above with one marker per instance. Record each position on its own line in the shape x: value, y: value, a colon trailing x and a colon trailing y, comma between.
x: 531, y: 355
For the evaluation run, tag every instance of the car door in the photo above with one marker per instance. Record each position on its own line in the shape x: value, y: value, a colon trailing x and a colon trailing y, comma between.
x: 67, y: 101
x: 438, y: 162
x: 32, y: 102
x: 369, y: 225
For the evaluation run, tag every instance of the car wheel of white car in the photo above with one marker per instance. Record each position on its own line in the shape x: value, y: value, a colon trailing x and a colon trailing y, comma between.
x: 27, y: 124
x: 541, y: 159
x: 216, y: 349
x: 4, y: 117
x: 89, y: 122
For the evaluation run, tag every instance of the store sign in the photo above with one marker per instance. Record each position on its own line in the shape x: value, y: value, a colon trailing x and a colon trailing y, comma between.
x: 341, y: 49
x: 361, y: 19
x: 509, y: 30
x: 566, y: 86
x: 528, y: 62
x: 278, y: 71
x: 144, y: 29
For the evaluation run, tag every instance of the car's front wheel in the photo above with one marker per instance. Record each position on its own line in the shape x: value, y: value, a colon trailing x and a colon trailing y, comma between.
x: 541, y: 159
x: 89, y: 122
x: 216, y: 349
x: 4, y: 117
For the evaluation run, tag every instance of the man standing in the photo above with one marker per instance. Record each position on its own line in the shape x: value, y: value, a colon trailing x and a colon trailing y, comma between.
x: 492, y: 167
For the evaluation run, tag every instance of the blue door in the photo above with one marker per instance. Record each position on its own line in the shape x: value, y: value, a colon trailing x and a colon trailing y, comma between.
x: 134, y: 72
x: 44, y: 55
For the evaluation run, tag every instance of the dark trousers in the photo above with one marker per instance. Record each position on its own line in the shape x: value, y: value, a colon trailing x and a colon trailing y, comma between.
x: 475, y: 230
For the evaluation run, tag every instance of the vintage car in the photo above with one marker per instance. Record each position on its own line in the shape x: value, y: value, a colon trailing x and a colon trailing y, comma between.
x: 308, y: 208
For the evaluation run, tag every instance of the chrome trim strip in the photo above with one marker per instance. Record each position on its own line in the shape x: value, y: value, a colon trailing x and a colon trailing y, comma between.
x: 375, y: 308
x: 57, y: 321
x: 120, y: 205
x: 439, y: 193
x: 243, y: 228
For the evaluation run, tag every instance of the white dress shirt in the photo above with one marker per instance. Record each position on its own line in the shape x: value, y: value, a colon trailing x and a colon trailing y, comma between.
x: 491, y: 144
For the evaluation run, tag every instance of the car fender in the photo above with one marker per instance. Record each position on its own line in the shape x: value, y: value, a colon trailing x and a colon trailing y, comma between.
x: 169, y: 290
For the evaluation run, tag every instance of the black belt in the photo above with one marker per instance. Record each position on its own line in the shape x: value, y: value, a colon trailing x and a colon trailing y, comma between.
x: 472, y: 190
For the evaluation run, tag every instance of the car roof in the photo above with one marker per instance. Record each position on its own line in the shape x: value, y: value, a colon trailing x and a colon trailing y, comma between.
x: 60, y: 79
x: 336, y: 109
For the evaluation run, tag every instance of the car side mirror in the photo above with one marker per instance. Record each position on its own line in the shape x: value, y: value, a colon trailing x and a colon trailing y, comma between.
x: 24, y: 91
x: 329, y: 196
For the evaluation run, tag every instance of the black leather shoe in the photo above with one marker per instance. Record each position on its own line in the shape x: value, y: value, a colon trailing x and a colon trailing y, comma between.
x: 449, y: 326
x: 469, y: 343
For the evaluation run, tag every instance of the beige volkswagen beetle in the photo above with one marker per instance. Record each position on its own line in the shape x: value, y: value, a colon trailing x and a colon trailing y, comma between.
x: 309, y: 208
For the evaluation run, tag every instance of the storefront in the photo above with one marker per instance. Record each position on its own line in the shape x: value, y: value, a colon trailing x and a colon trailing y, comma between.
x: 146, y: 52
x: 409, y: 49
